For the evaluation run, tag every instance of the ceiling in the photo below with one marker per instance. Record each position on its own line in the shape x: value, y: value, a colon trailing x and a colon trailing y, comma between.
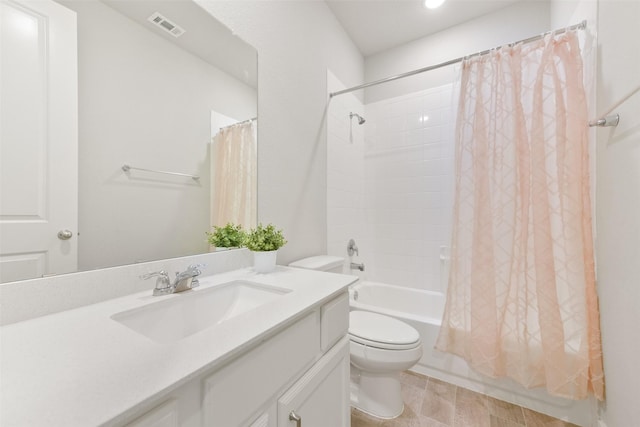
x: 378, y: 25
x: 373, y: 25
x: 204, y: 37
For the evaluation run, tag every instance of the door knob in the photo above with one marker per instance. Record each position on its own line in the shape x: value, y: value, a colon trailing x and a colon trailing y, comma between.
x: 64, y: 234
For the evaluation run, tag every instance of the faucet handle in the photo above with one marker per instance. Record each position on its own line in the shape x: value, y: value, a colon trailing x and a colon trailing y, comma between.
x: 196, y: 267
x: 159, y: 274
x: 193, y: 270
x: 163, y: 283
x: 352, y: 247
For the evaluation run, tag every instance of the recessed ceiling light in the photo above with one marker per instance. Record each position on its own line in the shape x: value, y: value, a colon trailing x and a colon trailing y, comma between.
x: 433, y: 4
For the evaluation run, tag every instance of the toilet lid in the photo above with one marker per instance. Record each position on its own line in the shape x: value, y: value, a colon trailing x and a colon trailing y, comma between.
x: 380, y: 331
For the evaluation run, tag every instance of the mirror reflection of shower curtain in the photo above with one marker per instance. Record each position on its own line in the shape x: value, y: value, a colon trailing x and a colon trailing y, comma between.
x: 235, y: 175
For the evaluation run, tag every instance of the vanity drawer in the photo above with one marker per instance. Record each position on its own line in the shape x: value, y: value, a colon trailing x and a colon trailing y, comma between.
x: 334, y: 321
x: 238, y: 390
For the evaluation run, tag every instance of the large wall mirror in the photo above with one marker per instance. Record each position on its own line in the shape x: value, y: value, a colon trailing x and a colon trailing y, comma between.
x: 157, y: 84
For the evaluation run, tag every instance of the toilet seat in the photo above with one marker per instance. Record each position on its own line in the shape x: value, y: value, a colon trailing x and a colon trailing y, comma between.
x: 381, y: 345
x: 383, y: 332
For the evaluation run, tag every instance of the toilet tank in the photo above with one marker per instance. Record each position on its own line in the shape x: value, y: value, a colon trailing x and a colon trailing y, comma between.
x: 332, y: 264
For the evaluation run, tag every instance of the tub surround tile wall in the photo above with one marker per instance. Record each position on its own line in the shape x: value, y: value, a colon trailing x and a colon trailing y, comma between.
x: 389, y: 184
x: 345, y: 176
x: 408, y: 186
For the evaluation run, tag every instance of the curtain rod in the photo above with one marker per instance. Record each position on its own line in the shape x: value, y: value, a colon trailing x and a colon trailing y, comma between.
x: 239, y: 123
x: 581, y: 26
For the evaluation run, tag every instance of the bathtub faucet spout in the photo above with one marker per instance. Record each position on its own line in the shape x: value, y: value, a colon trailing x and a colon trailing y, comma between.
x: 355, y: 265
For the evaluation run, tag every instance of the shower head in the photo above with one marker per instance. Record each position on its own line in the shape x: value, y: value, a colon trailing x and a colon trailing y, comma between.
x: 361, y: 120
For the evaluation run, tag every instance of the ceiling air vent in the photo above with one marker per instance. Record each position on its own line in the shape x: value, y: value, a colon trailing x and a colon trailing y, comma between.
x: 166, y: 25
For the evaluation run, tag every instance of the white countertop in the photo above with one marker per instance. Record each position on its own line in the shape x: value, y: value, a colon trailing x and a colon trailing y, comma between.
x: 81, y: 368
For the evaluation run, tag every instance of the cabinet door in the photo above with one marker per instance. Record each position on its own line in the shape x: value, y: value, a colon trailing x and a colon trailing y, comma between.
x: 321, y: 397
x: 240, y: 389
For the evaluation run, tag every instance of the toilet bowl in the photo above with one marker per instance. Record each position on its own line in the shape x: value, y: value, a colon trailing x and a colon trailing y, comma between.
x: 380, y: 346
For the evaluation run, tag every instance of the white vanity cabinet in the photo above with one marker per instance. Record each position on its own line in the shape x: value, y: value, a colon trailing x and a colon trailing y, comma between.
x: 300, y: 369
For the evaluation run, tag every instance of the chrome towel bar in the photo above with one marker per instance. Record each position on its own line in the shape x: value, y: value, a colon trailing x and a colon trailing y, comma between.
x: 127, y: 168
x: 607, y: 119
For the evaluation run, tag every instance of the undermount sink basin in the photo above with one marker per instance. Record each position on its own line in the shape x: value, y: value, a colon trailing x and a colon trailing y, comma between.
x: 193, y: 311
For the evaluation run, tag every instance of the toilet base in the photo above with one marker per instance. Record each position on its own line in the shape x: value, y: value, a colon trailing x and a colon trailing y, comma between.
x: 377, y: 394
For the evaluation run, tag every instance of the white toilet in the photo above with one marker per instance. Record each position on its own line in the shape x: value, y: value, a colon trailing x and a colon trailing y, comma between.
x: 381, y: 347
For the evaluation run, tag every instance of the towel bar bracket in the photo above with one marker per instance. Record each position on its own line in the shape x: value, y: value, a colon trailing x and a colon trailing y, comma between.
x: 607, y: 121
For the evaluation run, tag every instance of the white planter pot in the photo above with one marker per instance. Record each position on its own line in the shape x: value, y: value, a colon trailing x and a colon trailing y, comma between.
x: 264, y: 262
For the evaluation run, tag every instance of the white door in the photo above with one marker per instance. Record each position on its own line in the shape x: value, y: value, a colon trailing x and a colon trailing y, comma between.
x: 38, y: 139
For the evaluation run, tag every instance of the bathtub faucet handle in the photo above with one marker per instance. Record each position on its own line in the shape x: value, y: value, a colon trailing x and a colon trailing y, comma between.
x: 352, y: 247
x: 356, y: 266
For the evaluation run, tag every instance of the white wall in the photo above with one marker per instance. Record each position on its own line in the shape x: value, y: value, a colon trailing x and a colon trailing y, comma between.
x: 297, y: 42
x: 618, y: 209
x: 617, y: 195
x: 145, y: 102
x: 488, y: 31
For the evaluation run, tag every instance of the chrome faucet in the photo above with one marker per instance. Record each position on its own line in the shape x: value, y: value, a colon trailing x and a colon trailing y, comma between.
x: 187, y: 279
x: 358, y: 266
x: 352, y: 248
x: 184, y: 280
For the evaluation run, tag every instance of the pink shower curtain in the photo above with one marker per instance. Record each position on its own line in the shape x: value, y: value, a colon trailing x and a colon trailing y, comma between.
x: 235, y: 175
x: 521, y: 300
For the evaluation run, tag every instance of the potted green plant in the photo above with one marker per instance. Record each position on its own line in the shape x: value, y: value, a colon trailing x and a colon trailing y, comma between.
x: 229, y: 236
x: 264, y: 242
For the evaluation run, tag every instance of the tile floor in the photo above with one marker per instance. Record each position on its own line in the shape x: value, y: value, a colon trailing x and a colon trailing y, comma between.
x: 429, y: 402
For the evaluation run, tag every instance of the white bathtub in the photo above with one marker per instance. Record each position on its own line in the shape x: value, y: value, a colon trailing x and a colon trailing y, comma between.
x: 414, y: 304
x: 423, y: 310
